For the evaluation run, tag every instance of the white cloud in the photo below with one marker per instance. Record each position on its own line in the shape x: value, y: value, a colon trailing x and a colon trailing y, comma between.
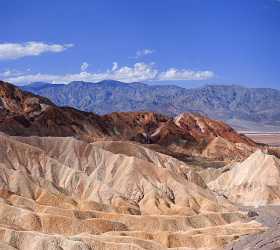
x: 10, y: 73
x: 138, y: 72
x: 185, y: 74
x: 115, y: 66
x: 144, y: 52
x: 10, y: 51
x: 84, y: 66
x: 6, y: 73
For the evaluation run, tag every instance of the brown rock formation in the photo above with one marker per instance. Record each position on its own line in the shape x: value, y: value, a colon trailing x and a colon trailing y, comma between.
x: 22, y: 113
x: 62, y: 193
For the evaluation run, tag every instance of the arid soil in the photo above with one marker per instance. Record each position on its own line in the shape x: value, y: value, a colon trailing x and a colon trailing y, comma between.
x: 72, y: 180
x: 61, y: 193
x: 272, y: 139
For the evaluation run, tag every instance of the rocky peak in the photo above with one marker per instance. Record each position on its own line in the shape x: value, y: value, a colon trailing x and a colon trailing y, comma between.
x: 16, y: 101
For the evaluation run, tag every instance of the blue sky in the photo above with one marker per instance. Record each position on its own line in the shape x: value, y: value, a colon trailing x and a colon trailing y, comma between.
x: 184, y: 42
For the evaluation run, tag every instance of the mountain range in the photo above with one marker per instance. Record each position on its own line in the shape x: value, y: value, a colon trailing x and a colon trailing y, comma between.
x: 253, y: 109
x: 72, y: 179
x: 23, y: 113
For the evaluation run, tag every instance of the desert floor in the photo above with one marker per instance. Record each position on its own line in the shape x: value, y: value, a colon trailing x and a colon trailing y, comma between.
x: 267, y: 138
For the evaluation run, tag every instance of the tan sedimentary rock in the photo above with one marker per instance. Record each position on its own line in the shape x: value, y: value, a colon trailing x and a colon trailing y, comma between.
x: 254, y: 182
x: 62, y: 193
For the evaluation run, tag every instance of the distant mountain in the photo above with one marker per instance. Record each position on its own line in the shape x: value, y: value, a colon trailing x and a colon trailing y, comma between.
x: 25, y: 114
x: 244, y: 108
x: 39, y: 86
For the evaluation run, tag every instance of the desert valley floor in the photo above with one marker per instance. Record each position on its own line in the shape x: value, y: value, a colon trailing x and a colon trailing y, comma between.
x: 272, y: 138
x: 133, y: 180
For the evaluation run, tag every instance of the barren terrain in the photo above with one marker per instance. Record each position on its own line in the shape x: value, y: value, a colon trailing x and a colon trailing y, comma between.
x: 272, y: 139
x: 71, y: 180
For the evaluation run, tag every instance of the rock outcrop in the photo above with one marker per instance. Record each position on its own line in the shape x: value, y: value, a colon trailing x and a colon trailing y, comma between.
x: 62, y: 193
x: 254, y: 182
x: 25, y: 114
x: 76, y: 180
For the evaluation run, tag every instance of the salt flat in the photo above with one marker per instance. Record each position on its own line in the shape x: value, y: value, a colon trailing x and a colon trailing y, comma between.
x: 272, y: 139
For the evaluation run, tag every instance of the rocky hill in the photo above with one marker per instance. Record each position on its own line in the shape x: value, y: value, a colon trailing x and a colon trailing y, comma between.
x: 254, y: 182
x: 243, y: 108
x: 23, y: 113
x: 62, y: 193
x: 72, y: 179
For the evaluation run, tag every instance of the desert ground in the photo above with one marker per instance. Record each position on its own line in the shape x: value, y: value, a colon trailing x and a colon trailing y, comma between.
x: 74, y: 180
x: 272, y: 139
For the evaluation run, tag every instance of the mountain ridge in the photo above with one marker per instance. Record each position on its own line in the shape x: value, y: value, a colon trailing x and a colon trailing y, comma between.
x: 104, y: 180
x: 27, y: 114
x: 242, y: 107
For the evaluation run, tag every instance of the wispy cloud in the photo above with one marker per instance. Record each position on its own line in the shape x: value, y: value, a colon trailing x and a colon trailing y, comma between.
x: 144, y: 52
x: 185, y: 74
x: 12, y: 73
x: 138, y: 72
x: 9, y: 51
x: 84, y: 66
x: 115, y: 66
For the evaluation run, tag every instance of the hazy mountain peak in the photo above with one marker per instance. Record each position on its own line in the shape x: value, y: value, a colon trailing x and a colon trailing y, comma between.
x: 224, y: 86
x: 231, y: 103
